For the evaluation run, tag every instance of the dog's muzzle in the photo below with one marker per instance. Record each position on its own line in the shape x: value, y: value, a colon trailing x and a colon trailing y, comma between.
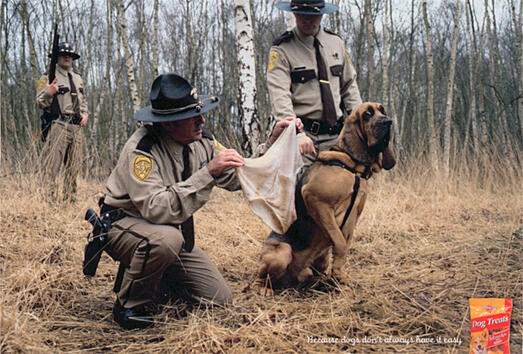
x: 382, y: 134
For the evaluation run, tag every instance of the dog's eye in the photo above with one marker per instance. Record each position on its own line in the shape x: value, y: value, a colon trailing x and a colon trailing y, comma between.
x: 367, y: 115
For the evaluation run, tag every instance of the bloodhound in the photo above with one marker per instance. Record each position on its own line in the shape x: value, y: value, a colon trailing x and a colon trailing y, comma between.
x: 330, y: 197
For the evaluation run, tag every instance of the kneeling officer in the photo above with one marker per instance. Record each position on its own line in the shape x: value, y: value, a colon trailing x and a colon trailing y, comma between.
x: 165, y: 173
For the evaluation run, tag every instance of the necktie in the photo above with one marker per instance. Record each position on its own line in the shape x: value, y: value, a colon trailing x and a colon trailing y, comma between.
x: 74, y: 95
x: 329, y: 111
x: 187, y: 225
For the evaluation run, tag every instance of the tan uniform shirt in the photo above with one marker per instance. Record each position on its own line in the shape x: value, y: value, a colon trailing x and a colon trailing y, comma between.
x: 292, y: 76
x: 149, y: 185
x: 43, y: 100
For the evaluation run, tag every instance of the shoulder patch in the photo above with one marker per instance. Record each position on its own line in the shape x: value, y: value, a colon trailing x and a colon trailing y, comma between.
x: 207, y: 134
x: 273, y: 58
x: 286, y: 36
x: 142, y: 167
x: 41, y: 83
x: 331, y: 32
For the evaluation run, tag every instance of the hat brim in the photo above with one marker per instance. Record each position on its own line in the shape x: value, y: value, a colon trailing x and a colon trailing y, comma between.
x: 73, y: 55
x: 327, y: 9
x: 146, y: 114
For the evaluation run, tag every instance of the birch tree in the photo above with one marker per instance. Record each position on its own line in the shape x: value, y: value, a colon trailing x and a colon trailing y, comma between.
x: 128, y: 60
x: 430, y: 90
x: 247, y: 75
x: 450, y: 92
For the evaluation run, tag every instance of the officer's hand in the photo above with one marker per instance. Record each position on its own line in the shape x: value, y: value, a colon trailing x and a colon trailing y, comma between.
x: 224, y: 159
x: 83, y: 122
x: 282, y: 124
x: 306, y: 145
x: 51, y: 88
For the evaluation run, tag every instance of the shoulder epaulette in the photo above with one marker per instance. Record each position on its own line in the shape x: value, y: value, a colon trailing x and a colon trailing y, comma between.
x: 331, y: 32
x: 147, y: 141
x: 207, y: 134
x: 286, y: 36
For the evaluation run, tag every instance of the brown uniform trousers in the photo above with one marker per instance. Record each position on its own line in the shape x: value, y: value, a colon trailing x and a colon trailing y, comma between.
x: 62, y: 157
x: 150, y: 251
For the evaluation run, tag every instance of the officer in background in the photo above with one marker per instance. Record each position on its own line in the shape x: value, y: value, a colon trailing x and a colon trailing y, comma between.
x: 65, y: 101
x: 310, y: 76
x: 165, y: 173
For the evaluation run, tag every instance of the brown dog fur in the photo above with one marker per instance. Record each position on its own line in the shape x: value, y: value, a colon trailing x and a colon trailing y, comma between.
x: 363, y: 143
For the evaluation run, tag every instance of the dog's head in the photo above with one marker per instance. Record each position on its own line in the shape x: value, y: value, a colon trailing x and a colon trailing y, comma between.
x: 365, y: 136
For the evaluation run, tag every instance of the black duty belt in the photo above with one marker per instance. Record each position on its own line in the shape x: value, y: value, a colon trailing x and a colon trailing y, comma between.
x: 316, y: 127
x: 114, y: 214
x: 71, y: 118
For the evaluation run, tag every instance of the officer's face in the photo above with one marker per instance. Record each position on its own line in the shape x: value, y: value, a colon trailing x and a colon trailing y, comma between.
x: 65, y: 61
x: 308, y: 24
x: 185, y: 131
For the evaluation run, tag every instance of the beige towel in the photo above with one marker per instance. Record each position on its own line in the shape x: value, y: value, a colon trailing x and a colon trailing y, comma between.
x: 268, y: 182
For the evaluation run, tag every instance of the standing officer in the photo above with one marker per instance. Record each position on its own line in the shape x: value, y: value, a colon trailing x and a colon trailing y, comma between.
x: 64, y: 100
x: 310, y: 76
x: 165, y: 173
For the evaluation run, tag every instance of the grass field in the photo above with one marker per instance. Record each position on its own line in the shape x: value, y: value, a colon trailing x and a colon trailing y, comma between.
x: 424, y: 246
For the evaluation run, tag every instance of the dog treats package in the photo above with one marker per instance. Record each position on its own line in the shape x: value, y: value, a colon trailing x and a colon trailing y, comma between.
x: 490, y: 326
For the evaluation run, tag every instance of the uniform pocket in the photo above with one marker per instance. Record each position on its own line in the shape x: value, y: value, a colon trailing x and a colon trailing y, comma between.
x: 63, y: 90
x: 337, y: 70
x: 302, y: 76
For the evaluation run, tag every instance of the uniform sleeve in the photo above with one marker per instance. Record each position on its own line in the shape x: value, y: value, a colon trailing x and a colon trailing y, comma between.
x: 43, y: 100
x: 350, y: 93
x: 160, y: 204
x: 83, y: 100
x: 279, y: 84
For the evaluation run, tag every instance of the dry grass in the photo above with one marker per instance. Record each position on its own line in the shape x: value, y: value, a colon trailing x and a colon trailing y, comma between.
x: 424, y: 246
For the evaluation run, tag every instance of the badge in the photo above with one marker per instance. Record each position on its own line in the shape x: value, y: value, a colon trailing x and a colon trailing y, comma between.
x: 41, y: 84
x: 347, y: 55
x: 142, y: 167
x: 273, y: 57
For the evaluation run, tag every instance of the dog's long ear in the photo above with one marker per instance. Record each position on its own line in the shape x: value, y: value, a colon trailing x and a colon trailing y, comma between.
x: 352, y: 140
x: 389, y: 161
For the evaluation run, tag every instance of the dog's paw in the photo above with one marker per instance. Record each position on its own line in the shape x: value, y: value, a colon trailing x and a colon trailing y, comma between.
x: 305, y: 275
x: 340, y: 277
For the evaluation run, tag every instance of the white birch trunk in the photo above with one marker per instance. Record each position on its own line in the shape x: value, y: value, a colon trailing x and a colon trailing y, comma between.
x: 450, y: 92
x: 128, y: 60
x: 247, y: 75
x: 430, y: 91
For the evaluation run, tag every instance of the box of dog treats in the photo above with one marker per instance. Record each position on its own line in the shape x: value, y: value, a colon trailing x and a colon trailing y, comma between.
x: 490, y: 326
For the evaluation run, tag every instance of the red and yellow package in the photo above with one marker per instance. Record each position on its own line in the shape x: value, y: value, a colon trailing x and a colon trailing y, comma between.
x: 490, y: 326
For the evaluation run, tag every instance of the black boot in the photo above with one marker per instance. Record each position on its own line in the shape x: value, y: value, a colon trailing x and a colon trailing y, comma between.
x: 131, y: 318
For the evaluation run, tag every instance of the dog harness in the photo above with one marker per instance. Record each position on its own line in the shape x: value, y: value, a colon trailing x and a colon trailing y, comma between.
x: 367, y: 174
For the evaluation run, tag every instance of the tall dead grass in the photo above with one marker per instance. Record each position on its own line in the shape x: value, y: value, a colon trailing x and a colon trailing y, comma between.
x: 424, y: 246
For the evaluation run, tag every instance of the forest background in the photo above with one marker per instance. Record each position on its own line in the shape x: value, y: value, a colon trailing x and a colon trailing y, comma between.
x: 450, y: 76
x: 443, y: 226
